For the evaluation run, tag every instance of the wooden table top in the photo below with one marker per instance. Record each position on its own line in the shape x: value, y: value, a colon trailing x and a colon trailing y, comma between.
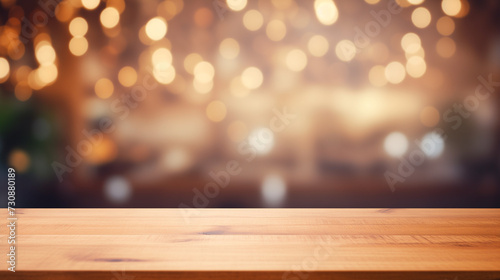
x: 255, y: 243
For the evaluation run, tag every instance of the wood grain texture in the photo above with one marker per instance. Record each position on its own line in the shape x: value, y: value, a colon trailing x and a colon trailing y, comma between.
x: 255, y: 243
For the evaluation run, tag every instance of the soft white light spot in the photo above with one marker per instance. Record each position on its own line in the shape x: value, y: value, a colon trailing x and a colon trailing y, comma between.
x: 117, y: 189
x: 396, y: 144
x: 262, y: 140
x: 432, y: 145
x: 273, y: 190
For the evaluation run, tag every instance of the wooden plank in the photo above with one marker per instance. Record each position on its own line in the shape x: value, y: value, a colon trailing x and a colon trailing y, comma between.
x: 264, y: 243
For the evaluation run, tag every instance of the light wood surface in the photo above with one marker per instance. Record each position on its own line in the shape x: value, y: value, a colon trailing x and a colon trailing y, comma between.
x: 255, y: 243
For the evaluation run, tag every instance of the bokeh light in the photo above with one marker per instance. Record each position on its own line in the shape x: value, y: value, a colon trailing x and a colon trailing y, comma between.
x: 421, y: 17
x: 326, y: 11
x: 296, y: 60
x: 90, y: 4
x: 446, y: 47
x: 156, y: 28
x: 78, y: 46
x: 451, y: 7
x: 104, y: 88
x: 252, y: 78
x: 345, y: 50
x: 4, y: 69
x: 127, y: 76
x: 416, y: 66
x: 445, y: 26
x: 236, y: 5
x: 229, y: 48
x: 411, y: 42
x: 110, y: 17
x: 276, y: 30
x: 78, y: 27
x: 395, y: 72
x: 216, y: 111
x: 253, y: 20
x: 318, y: 45
x: 396, y: 144
x: 19, y: 160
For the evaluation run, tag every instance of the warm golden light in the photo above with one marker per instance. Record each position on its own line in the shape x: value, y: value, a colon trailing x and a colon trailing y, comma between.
x: 276, y: 30
x: 203, y: 17
x: 410, y: 42
x: 420, y: 53
x: 445, y: 26
x: 446, y: 47
x: 161, y: 57
x: 19, y: 160
x: 4, y: 69
x: 204, y: 72
x: 64, y: 11
x: 127, y: 76
x: 156, y: 28
x: 78, y: 27
x: 395, y: 72
x: 34, y: 81
x: 253, y: 20
x: 345, y: 50
x: 47, y: 74
x: 421, y: 17
x: 326, y: 11
x: 78, y: 46
x: 90, y: 4
x: 318, y: 45
x: 203, y: 87
x: 164, y: 73
x: 104, y: 88
x: 23, y: 91
x: 296, y: 60
x: 45, y: 54
x: 252, y: 78
x: 168, y: 9
x: 103, y: 151
x: 236, y: 5
x: 377, y: 76
x: 216, y: 111
x: 415, y: 2
x: 110, y: 17
x: 190, y: 62
x: 451, y: 7
x: 229, y: 48
x: 416, y: 66
x: 119, y: 5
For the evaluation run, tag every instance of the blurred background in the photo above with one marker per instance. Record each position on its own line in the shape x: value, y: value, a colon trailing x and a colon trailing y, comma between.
x: 265, y: 103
